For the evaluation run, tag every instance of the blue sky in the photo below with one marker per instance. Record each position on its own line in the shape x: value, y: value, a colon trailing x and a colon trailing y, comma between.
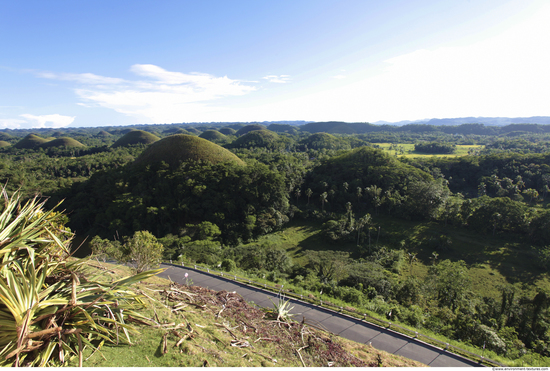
x: 102, y: 63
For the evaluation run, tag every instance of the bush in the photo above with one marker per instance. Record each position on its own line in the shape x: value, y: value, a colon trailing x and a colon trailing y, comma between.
x: 228, y: 265
x: 42, y: 297
x: 143, y: 250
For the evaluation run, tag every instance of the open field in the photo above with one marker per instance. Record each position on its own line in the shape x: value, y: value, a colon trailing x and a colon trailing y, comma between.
x: 407, y: 150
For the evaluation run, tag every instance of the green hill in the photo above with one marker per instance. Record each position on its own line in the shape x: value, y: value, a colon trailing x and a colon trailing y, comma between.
x: 136, y: 137
x: 372, y: 166
x: 30, y: 141
x: 323, y: 141
x: 283, y: 128
x: 407, y: 191
x: 257, y: 138
x: 103, y: 134
x: 62, y: 142
x: 193, y: 131
x: 181, y: 131
x: 179, y: 148
x: 4, y: 144
x: 248, y: 128
x: 5, y: 136
x: 227, y: 131
x: 213, y: 136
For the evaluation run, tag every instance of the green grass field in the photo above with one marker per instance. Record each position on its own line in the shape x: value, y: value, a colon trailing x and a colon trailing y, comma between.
x: 407, y: 150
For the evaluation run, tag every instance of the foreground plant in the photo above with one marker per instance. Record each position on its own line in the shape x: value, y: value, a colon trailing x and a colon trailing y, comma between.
x: 48, y: 311
x: 282, y: 309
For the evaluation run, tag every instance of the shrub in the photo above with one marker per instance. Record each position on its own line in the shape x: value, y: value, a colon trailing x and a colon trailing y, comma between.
x: 48, y: 310
x: 228, y: 265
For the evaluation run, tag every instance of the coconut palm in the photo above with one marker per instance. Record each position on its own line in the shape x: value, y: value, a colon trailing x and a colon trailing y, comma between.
x: 323, y: 197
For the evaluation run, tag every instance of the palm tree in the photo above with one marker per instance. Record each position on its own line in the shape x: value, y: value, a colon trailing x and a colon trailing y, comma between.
x: 309, y: 192
x: 298, y: 193
x: 323, y: 198
x: 376, y: 194
x: 364, y: 221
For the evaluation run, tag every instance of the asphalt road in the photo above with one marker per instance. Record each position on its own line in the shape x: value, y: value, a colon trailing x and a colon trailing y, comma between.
x: 344, y: 326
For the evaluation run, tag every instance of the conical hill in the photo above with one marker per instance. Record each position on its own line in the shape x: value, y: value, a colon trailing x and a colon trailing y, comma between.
x: 179, y: 148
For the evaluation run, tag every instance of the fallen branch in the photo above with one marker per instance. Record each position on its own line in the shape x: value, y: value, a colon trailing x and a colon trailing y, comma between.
x: 299, y: 354
x: 165, y: 343
x: 137, y: 320
x: 246, y: 324
x: 228, y: 330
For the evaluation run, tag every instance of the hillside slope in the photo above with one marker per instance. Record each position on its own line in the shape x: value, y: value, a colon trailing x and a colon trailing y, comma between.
x: 192, y: 326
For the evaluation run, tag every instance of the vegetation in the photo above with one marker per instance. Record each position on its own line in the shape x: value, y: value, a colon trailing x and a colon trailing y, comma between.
x: 50, y: 312
x: 179, y: 148
x: 248, y: 128
x: 213, y: 136
x: 456, y: 244
x: 62, y: 142
x: 189, y: 326
x: 30, y: 141
x: 136, y: 137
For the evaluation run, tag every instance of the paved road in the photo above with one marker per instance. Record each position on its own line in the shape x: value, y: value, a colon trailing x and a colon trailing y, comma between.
x: 342, y: 325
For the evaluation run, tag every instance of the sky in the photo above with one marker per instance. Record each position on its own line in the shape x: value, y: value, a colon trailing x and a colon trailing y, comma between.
x: 106, y: 63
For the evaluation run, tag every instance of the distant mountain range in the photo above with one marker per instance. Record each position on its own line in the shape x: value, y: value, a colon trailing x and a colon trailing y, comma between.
x: 489, y: 121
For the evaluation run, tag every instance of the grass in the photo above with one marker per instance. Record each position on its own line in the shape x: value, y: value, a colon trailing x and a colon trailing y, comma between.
x: 30, y: 141
x: 177, y: 148
x: 135, y: 137
x: 62, y: 142
x: 492, y: 260
x: 408, y: 148
x: 194, y: 327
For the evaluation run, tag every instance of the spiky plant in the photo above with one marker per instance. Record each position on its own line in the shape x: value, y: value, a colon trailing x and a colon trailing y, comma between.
x: 48, y: 312
x: 282, y: 308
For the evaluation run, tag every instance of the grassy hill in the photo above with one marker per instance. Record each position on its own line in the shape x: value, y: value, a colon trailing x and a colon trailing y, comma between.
x: 248, y: 128
x: 103, y: 134
x: 323, y: 141
x: 257, y: 138
x: 5, y: 136
x: 227, y: 131
x: 4, y: 144
x: 178, y: 148
x: 30, y: 141
x: 62, y: 142
x: 192, y: 326
x: 135, y: 137
x: 213, y: 136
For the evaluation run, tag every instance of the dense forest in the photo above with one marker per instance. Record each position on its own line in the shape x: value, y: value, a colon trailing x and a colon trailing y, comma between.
x: 407, y: 235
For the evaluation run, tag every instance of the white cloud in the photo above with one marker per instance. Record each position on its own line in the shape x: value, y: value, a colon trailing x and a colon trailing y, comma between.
x: 158, y: 96
x: 339, y: 77
x: 280, y: 79
x: 82, y: 78
x: 46, y: 121
x: 12, y: 123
